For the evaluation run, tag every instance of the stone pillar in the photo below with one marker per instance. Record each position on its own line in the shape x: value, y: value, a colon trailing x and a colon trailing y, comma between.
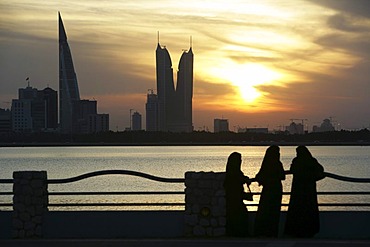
x: 205, y: 204
x: 30, y: 202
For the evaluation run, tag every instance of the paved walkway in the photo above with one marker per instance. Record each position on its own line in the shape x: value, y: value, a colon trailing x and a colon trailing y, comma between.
x: 183, y: 243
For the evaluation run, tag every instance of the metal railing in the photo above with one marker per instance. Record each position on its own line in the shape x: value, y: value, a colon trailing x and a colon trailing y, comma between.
x: 168, y: 180
x: 117, y: 172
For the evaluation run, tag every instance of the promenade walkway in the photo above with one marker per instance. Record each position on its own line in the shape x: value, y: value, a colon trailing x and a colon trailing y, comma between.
x: 184, y: 243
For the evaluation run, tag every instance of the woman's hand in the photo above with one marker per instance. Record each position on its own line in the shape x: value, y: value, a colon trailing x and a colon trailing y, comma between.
x: 247, y: 180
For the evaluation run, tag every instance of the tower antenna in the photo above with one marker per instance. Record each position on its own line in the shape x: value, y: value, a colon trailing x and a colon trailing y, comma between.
x: 191, y: 41
x: 158, y: 36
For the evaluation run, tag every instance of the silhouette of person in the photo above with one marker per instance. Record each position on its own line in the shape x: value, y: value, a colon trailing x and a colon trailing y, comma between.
x: 269, y: 176
x: 303, y: 213
x: 236, y: 211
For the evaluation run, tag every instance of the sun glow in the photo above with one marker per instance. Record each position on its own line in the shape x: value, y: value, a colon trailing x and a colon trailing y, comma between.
x: 246, y: 77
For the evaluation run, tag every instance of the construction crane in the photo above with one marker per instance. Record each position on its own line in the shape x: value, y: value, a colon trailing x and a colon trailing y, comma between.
x: 302, y: 119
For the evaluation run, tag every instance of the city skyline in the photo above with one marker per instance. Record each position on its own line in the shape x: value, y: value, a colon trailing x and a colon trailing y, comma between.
x: 257, y: 64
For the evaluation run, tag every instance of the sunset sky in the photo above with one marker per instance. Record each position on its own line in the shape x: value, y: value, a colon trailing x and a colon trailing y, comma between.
x: 256, y: 63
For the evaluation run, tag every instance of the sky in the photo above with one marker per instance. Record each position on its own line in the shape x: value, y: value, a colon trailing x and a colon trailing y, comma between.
x: 256, y: 63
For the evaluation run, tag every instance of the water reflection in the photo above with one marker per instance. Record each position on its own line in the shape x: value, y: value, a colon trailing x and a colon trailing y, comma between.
x: 172, y: 162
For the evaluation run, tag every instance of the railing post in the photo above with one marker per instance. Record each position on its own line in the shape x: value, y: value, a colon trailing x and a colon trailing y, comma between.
x: 205, y: 212
x: 30, y: 203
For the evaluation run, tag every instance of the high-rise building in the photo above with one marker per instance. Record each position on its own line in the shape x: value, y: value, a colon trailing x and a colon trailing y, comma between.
x: 174, y: 104
x: 184, y: 92
x: 151, y: 108
x: 50, y: 98
x: 220, y: 125
x: 76, y: 116
x: 165, y: 88
x: 35, y: 110
x: 45, y: 110
x: 136, y: 121
x: 68, y: 86
x: 21, y: 115
x: 98, y: 123
x: 82, y: 109
x: 5, y: 120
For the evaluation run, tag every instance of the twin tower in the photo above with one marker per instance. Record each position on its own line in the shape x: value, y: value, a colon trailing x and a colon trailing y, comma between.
x: 171, y: 109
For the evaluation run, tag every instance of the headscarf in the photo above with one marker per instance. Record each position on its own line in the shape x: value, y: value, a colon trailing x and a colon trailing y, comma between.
x: 271, y: 168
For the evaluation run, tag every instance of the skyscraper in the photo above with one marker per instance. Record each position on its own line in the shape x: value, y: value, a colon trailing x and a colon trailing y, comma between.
x: 151, y: 108
x: 136, y: 121
x: 165, y: 88
x: 184, y: 93
x: 68, y: 86
x: 174, y: 104
x: 76, y: 116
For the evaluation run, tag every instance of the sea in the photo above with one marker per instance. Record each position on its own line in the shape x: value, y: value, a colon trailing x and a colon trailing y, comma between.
x: 172, y: 162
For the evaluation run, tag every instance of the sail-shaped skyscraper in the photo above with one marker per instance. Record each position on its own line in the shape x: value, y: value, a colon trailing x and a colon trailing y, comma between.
x: 68, y: 86
x: 174, y: 104
x: 184, y: 92
x: 165, y: 88
x: 75, y: 115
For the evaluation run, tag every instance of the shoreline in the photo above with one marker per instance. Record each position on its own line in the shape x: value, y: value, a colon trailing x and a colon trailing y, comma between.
x: 107, y: 144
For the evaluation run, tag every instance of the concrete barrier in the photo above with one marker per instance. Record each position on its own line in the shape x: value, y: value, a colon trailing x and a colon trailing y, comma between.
x: 345, y: 225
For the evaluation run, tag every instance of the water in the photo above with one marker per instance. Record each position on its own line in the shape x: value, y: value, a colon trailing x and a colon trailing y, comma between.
x: 173, y: 162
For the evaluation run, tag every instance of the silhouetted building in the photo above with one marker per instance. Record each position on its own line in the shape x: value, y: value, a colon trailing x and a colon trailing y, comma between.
x: 50, y: 99
x: 325, y: 126
x: 68, y: 86
x: 5, y: 120
x: 76, y: 116
x: 21, y: 115
x: 174, y: 105
x: 136, y: 121
x: 151, y: 108
x: 98, y: 123
x: 221, y: 125
x: 27, y: 93
x: 86, y: 120
x: 294, y: 128
x: 165, y: 88
x: 82, y: 109
x: 35, y: 110
x: 184, y: 93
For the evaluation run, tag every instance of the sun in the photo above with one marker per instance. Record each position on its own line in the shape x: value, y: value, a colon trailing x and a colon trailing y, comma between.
x: 246, y: 77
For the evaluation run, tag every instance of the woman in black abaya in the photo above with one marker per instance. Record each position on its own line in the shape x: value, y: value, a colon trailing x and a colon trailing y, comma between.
x: 269, y: 176
x: 236, y: 211
x: 303, y: 212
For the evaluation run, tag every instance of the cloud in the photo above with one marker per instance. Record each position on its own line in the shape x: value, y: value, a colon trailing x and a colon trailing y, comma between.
x: 348, y: 23
x: 358, y: 46
x: 321, y: 48
x: 357, y: 7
